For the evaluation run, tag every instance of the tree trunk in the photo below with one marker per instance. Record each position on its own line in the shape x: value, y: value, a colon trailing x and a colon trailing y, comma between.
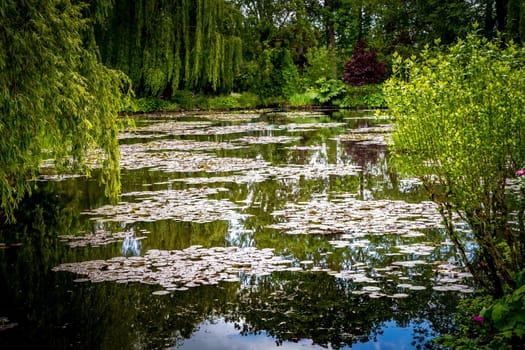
x: 501, y: 14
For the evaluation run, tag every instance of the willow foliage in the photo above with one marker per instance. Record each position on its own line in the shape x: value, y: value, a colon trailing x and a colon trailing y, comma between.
x: 166, y: 45
x: 460, y: 128
x: 57, y: 100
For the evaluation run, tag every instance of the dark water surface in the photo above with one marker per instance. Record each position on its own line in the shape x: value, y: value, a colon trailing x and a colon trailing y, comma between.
x: 235, y: 231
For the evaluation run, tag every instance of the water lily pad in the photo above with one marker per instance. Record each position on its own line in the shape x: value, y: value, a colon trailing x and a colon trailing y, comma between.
x: 161, y: 292
x: 128, y: 150
x: 5, y: 324
x: 399, y: 295
x: 409, y: 263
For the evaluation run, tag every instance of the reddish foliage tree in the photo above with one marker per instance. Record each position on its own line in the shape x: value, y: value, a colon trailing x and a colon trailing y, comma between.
x: 364, y: 68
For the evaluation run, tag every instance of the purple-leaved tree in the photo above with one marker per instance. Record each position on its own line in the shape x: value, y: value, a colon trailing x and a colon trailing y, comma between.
x: 364, y: 68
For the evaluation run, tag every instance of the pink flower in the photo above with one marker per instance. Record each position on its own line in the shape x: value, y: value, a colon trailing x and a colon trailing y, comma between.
x: 520, y: 172
x: 478, y: 318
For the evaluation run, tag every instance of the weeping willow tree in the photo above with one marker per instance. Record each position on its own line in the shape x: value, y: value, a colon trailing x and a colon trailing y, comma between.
x: 56, y: 99
x: 166, y: 45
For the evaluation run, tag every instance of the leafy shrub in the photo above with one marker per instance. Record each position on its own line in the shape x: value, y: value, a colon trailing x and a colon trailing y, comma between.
x: 459, y: 128
x: 499, y: 325
x: 224, y: 102
x: 184, y: 98
x: 303, y: 99
x: 375, y: 99
x: 370, y: 96
x: 324, y: 92
x: 277, y: 74
x: 152, y: 104
x: 328, y: 90
x: 249, y: 100
x: 232, y: 101
x: 248, y: 77
x: 469, y: 331
x: 364, y: 68
x: 273, y: 101
x: 508, y: 314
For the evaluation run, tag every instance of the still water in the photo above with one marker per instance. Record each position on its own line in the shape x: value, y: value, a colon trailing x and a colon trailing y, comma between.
x: 253, y: 230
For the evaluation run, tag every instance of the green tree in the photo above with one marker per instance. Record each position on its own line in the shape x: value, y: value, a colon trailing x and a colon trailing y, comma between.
x: 278, y: 76
x: 57, y: 100
x: 404, y: 25
x: 460, y: 128
x: 276, y: 38
x: 166, y: 45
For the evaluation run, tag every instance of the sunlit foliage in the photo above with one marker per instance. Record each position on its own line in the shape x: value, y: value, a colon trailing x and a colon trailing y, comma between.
x: 460, y: 128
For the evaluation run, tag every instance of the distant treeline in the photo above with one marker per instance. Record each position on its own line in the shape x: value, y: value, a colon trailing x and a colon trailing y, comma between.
x: 266, y: 46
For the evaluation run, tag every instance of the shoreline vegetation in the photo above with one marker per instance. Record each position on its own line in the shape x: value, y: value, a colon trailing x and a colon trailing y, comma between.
x: 358, y: 98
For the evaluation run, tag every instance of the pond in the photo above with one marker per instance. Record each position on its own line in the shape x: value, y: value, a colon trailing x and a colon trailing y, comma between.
x: 248, y: 230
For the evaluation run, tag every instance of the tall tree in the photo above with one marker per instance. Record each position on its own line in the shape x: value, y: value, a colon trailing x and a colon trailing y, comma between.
x: 277, y: 34
x: 166, y: 45
x: 503, y: 16
x: 56, y: 99
x: 279, y: 23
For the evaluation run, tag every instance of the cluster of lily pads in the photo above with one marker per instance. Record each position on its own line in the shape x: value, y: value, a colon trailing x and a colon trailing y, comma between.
x: 173, y: 161
x: 353, y: 218
x: 264, y: 140
x: 199, y: 128
x: 178, y: 270
x: 299, y: 114
x: 174, y: 145
x: 99, y: 238
x: 193, y: 128
x: 374, y: 135
x: 188, y: 205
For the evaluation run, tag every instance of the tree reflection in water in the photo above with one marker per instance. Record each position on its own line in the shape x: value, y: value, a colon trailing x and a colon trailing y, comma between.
x: 313, y: 307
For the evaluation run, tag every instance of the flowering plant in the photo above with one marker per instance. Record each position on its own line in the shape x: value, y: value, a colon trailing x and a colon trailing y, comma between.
x: 478, y: 318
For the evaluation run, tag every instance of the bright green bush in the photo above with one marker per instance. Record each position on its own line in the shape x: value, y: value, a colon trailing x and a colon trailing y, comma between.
x: 484, y: 323
x: 184, y: 98
x: 224, y: 102
x: 460, y: 128
x: 277, y: 75
x: 308, y: 98
x: 470, y: 331
x: 329, y: 90
x: 151, y: 104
